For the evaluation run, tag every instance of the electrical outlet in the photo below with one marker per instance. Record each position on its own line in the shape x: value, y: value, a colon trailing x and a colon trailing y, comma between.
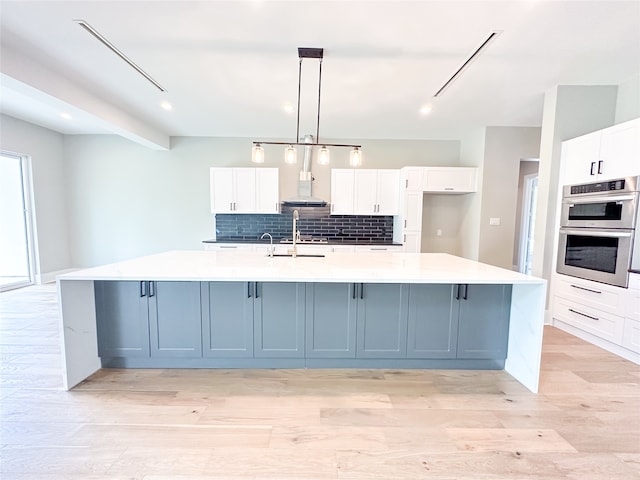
x: 494, y: 221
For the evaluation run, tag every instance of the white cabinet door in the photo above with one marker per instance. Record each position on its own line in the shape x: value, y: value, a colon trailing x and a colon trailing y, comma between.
x: 267, y: 191
x: 412, y: 211
x: 581, y: 156
x: 378, y: 248
x: 365, y: 199
x: 244, y: 185
x: 620, y: 151
x: 412, y: 178
x: 388, y: 192
x: 411, y: 242
x: 222, y: 192
x: 450, y: 179
x: 342, y: 191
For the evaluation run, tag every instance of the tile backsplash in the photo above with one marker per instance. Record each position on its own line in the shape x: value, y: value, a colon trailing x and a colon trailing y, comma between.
x: 337, y: 228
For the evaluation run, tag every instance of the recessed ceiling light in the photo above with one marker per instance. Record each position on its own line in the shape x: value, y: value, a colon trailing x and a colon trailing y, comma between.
x: 65, y: 115
x: 426, y: 109
x: 166, y: 106
x: 287, y: 107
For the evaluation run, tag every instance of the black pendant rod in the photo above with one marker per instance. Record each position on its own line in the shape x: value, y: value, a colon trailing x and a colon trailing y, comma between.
x: 299, y: 83
x: 319, y: 86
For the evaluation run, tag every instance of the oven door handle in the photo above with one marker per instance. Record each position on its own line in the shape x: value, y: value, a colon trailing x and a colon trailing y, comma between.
x: 595, y: 232
x: 600, y: 199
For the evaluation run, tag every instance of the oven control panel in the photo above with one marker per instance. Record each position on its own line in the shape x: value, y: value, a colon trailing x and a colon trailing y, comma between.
x: 609, y: 186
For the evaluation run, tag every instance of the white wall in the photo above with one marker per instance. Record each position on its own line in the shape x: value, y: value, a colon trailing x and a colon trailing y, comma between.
x: 504, y: 148
x: 126, y: 200
x: 45, y: 148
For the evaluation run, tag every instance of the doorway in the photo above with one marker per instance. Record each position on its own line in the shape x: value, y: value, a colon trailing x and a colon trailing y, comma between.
x: 529, y: 200
x: 16, y: 258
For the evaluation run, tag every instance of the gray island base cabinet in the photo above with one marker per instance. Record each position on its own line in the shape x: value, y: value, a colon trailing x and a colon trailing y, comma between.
x: 295, y: 325
x: 199, y: 309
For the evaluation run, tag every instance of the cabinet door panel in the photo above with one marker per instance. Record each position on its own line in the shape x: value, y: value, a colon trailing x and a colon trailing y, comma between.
x: 365, y: 192
x: 388, y: 186
x: 244, y: 185
x: 620, y: 151
x: 227, y: 327
x: 580, y: 156
x: 483, y: 329
x: 382, y: 321
x: 175, y: 318
x: 122, y: 319
x: 222, y: 195
x: 267, y: 194
x: 342, y: 185
x: 279, y: 320
x: 433, y: 321
x: 331, y: 320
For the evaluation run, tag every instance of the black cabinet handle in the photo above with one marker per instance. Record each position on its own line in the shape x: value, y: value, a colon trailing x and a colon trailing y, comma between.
x: 143, y: 289
x: 257, y: 295
x: 600, y: 162
x: 583, y: 314
x: 354, y: 291
x: 585, y: 289
x: 152, y: 289
x: 466, y: 290
x: 593, y: 164
x: 361, y: 291
x: 248, y: 289
x: 458, y: 292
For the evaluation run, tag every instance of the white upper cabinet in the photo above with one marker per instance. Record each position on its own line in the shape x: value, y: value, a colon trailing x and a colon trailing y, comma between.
x: 342, y: 191
x: 376, y: 192
x: 450, y: 179
x: 603, y: 155
x: 365, y: 192
x: 244, y: 190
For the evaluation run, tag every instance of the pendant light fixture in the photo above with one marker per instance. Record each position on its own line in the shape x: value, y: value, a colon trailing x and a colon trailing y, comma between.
x: 290, y: 153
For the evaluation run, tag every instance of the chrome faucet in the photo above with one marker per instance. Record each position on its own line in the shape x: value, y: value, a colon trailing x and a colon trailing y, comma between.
x: 266, y: 234
x: 296, y: 234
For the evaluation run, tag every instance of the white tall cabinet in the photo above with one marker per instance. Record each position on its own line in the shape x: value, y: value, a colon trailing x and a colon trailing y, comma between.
x: 244, y: 190
x: 602, y: 314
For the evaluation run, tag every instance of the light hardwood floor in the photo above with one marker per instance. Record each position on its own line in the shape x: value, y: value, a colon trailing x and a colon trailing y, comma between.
x: 309, y: 424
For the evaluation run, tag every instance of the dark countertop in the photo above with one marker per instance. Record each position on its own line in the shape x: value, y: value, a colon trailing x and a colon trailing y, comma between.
x: 329, y: 242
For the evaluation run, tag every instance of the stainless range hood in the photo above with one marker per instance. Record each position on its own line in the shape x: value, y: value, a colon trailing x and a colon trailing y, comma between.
x: 305, y: 199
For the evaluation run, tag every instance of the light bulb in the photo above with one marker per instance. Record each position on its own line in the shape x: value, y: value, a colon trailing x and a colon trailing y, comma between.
x: 323, y: 156
x: 355, y: 157
x: 257, y: 154
x: 290, y: 155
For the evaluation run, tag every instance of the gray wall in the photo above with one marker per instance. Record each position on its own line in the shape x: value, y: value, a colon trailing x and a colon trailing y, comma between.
x: 45, y: 148
x: 504, y: 148
x: 628, y: 100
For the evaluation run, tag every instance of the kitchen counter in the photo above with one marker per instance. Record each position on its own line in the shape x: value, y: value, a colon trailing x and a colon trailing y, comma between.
x: 77, y: 295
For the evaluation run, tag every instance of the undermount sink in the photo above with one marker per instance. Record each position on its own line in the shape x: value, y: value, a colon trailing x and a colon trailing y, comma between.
x: 298, y: 255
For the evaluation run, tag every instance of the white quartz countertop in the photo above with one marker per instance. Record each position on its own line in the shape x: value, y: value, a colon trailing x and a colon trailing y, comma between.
x: 398, y: 267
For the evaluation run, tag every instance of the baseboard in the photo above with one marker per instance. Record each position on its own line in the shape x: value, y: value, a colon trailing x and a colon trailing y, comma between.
x: 50, y: 277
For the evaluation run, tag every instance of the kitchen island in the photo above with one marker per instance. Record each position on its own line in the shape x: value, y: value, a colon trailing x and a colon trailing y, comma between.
x: 199, y: 309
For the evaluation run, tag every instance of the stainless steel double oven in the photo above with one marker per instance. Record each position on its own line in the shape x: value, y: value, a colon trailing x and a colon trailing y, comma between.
x: 597, y: 230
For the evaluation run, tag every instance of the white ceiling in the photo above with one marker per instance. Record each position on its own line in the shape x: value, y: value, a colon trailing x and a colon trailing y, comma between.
x: 230, y: 66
